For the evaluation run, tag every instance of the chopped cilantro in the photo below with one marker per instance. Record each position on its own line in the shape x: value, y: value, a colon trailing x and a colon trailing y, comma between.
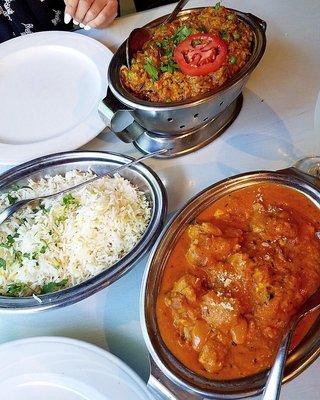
x: 224, y: 35
x: 166, y: 45
x: 3, y: 263
x: 18, y: 256
x: 43, y: 207
x: 53, y: 286
x: 230, y: 17
x: 233, y: 60
x: 44, y: 248
x: 60, y: 219
x: 168, y: 53
x: 130, y: 75
x: 9, y: 242
x: 151, y: 70
x: 69, y: 199
x: 181, y: 33
x: 217, y: 6
x: 27, y: 255
x: 17, y: 289
x: 170, y: 66
x: 12, y: 199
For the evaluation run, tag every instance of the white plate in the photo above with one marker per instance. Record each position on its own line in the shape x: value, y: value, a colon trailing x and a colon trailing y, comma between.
x: 50, y: 86
x: 54, y: 368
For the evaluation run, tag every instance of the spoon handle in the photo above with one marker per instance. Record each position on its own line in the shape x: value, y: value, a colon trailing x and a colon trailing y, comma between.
x: 273, y: 385
x: 176, y: 11
x: 7, y: 212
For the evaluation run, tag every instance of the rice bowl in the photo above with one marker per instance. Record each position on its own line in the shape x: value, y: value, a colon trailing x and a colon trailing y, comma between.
x: 61, y: 242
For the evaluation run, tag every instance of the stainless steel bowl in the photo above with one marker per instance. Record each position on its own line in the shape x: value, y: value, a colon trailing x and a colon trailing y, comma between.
x: 140, y: 175
x: 168, y: 375
x: 180, y: 117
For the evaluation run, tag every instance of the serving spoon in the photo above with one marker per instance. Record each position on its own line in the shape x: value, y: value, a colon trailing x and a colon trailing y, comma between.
x: 7, y: 212
x: 273, y: 384
x: 139, y: 36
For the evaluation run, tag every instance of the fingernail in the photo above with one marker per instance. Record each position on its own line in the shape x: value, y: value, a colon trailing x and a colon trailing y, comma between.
x: 81, y: 25
x: 67, y: 18
x: 75, y: 22
x: 87, y: 27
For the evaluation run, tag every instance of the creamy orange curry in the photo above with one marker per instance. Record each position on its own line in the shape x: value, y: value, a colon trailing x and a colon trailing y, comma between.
x: 236, y: 276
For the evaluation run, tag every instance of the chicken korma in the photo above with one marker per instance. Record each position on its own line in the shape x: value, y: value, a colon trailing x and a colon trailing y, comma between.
x: 236, y: 276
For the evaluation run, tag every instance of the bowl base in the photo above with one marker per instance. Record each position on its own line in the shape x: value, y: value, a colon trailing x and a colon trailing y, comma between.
x: 191, y: 141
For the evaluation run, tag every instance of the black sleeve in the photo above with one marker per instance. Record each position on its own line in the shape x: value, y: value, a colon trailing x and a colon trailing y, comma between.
x: 147, y: 4
x: 20, y: 17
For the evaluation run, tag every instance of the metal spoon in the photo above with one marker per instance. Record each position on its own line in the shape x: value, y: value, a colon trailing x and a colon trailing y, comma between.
x: 139, y: 36
x: 7, y: 212
x: 273, y: 384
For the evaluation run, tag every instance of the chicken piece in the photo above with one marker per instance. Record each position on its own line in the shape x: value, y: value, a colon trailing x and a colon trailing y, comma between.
x: 207, y: 248
x: 239, y: 331
x: 188, y: 285
x: 241, y: 263
x: 218, y: 311
x: 182, y: 300
x: 196, y: 230
x: 200, y: 333
x: 212, y: 356
x: 272, y: 223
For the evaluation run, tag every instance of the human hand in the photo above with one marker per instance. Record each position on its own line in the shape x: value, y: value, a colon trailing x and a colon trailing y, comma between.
x: 91, y: 13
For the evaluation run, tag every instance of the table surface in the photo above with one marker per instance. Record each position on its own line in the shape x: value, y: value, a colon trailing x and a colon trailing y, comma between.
x: 274, y: 129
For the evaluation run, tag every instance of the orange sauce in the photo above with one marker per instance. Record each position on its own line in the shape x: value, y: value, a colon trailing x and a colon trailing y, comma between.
x: 236, y: 276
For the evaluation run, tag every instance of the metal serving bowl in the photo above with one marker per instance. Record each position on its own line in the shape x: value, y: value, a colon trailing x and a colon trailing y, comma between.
x: 100, y: 162
x: 180, y: 117
x: 168, y: 375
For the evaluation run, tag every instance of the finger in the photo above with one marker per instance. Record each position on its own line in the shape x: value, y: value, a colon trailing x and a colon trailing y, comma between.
x: 82, y: 9
x: 96, y: 7
x: 106, y: 16
x: 70, y: 10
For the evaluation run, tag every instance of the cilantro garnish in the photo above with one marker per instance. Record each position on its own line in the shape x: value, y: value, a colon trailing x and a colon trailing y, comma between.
x: 170, y: 66
x: 3, y: 263
x: 12, y: 199
x: 17, y: 289
x: 53, y: 286
x: 69, y: 199
x: 181, y: 33
x: 151, y: 70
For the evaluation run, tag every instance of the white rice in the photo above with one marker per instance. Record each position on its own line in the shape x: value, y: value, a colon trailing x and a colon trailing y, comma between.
x: 62, y: 242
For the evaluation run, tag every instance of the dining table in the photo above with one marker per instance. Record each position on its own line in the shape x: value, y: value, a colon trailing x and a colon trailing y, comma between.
x: 275, y: 128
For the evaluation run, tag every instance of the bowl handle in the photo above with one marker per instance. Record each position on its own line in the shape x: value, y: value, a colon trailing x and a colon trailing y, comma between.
x: 307, y: 168
x: 258, y: 20
x: 162, y: 388
x: 119, y: 119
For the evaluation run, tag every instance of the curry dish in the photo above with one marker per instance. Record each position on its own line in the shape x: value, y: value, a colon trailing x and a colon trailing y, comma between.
x: 189, y: 56
x: 236, y: 276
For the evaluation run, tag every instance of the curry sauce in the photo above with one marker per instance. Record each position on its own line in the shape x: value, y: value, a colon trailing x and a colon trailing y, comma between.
x: 236, y: 276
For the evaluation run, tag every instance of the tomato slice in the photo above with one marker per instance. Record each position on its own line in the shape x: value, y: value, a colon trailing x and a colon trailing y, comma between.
x: 200, y: 54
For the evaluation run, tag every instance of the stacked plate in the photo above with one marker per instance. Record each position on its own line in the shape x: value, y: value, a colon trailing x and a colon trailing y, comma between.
x: 54, y: 368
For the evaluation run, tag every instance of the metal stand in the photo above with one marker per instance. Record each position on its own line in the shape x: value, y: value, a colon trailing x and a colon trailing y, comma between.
x: 191, y: 141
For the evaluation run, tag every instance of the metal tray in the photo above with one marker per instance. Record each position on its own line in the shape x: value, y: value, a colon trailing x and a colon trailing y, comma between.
x: 100, y: 162
x: 170, y: 379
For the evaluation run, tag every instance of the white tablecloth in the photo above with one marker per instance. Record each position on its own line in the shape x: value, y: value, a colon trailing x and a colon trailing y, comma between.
x: 274, y: 129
